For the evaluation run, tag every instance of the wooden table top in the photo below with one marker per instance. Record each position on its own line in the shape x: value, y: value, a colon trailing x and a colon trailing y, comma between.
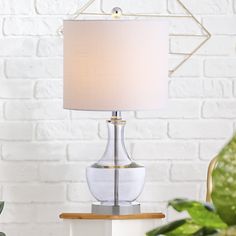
x: 91, y: 216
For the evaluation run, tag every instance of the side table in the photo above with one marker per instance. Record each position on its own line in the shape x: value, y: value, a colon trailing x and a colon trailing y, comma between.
x: 87, y: 224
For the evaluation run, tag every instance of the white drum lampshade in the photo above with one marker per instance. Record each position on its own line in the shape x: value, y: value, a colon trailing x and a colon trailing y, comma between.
x: 115, y: 65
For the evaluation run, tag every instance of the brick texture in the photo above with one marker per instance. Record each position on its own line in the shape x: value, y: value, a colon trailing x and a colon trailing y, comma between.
x: 44, y: 149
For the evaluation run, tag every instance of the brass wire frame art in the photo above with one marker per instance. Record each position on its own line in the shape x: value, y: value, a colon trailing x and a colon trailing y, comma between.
x: 211, y: 167
x: 205, y: 33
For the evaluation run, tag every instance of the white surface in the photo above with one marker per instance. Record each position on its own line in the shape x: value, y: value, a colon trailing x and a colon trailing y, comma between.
x: 107, y: 66
x: 110, y: 227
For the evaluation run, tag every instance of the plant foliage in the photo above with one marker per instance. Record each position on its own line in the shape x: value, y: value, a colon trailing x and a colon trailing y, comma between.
x: 224, y: 183
x: 218, y: 219
x: 1, y: 208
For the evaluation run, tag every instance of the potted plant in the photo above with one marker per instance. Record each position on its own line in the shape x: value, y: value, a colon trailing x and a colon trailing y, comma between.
x: 217, y: 219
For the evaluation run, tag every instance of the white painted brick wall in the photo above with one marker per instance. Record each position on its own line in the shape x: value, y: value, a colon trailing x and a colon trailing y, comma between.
x: 169, y: 150
x: 222, y: 109
x: 201, y: 7
x: 221, y: 25
x: 17, y: 151
x: 209, y: 149
x: 31, y: 26
x: 136, y: 6
x: 10, y: 215
x: 34, y: 68
x: 63, y: 172
x: 193, y: 171
x: 191, y: 69
x: 28, y: 193
x: 156, y: 171
x: 1, y: 68
x: 18, y: 47
x: 225, y: 45
x: 220, y: 67
x: 161, y: 191
x: 44, y: 149
x: 51, y: 7
x: 83, y: 129
x: 1, y: 110
x: 210, y: 129
x: 16, y: 89
x: 35, y: 110
x: 174, y: 109
x: 33, y: 229
x: 234, y: 87
x: 16, y: 131
x: 18, y: 172
x: 11, y: 7
x: 85, y: 151
x: 50, y: 47
x: 79, y: 192
x: 49, y: 89
x: 199, y: 88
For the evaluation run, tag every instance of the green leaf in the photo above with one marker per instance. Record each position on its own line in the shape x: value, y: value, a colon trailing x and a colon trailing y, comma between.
x: 224, y: 187
x: 1, y: 207
x: 180, y: 204
x: 187, y: 229
x: 205, y: 232
x: 166, y: 228
x: 200, y: 214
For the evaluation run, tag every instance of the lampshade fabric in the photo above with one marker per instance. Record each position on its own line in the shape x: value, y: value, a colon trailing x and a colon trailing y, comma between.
x: 115, y: 64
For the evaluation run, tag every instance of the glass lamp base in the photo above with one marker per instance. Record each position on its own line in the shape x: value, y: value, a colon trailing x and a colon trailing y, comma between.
x: 115, y: 180
x: 129, y: 209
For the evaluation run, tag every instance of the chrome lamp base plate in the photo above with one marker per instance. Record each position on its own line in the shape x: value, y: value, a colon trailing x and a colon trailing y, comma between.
x: 133, y: 208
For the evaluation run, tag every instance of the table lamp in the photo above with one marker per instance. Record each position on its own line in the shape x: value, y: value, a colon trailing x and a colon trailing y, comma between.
x: 115, y: 65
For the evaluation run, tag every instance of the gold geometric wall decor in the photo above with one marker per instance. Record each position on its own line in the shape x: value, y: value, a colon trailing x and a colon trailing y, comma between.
x: 203, y: 34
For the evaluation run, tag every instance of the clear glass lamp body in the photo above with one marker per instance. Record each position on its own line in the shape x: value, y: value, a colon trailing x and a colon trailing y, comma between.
x: 115, y: 179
